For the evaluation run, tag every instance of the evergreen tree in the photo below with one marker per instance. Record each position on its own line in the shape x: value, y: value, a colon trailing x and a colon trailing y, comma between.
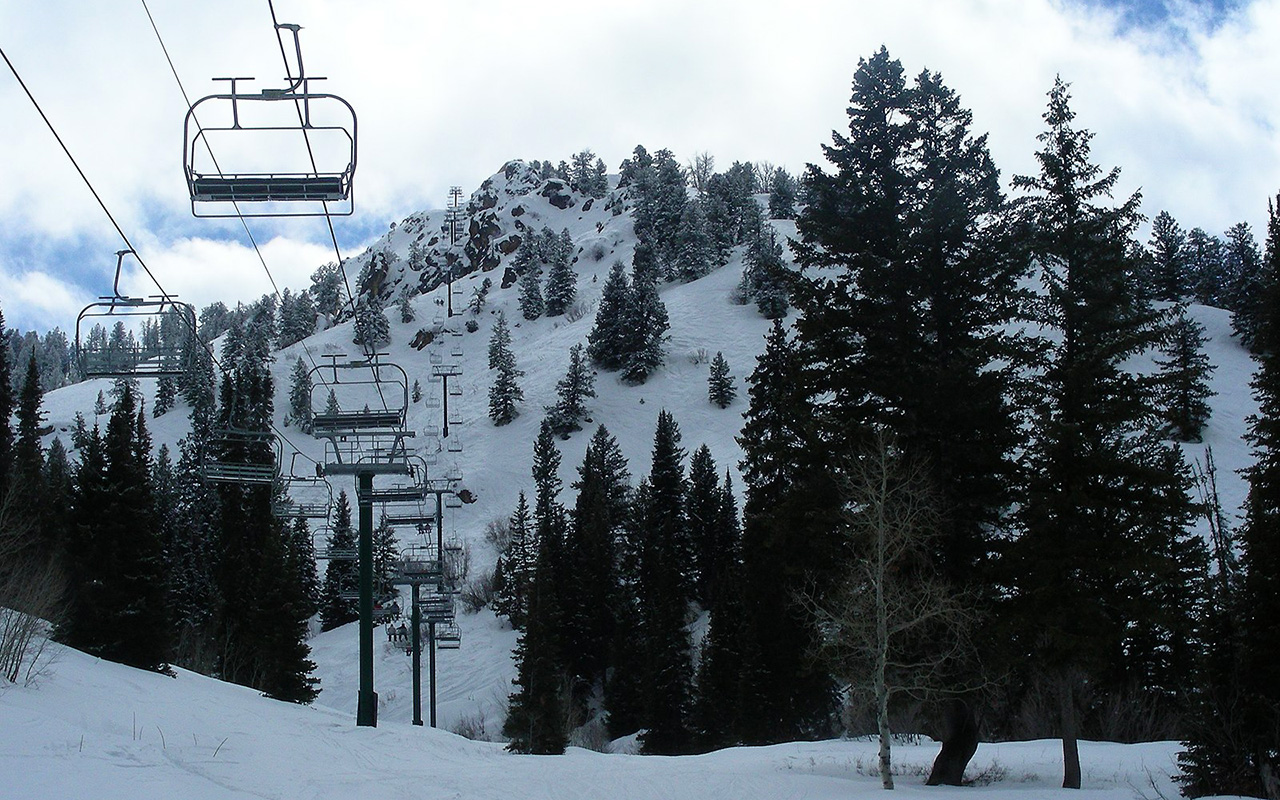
x: 1106, y: 515
x: 300, y: 397
x: 536, y: 722
x: 190, y: 553
x: 605, y: 343
x: 405, y: 305
x: 505, y: 392
x: 58, y: 496
x: 386, y: 551
x: 341, y: 576
x: 1167, y: 273
x: 704, y: 509
x: 786, y: 543
x: 27, y: 468
x: 571, y: 392
x: 515, y: 565
x: 302, y: 560
x: 372, y: 328
x: 1205, y: 267
x: 591, y: 556
x: 764, y: 274
x: 907, y: 286
x: 116, y: 563
x: 562, y: 286
x: 480, y: 296
x: 664, y: 591
x: 782, y: 195
x: 647, y: 323
x: 695, y: 252
x: 531, y: 303
x: 1260, y: 591
x: 720, y: 388
x: 166, y: 394
x: 416, y: 392
x: 1242, y: 295
x: 1184, y: 390
x: 499, y: 342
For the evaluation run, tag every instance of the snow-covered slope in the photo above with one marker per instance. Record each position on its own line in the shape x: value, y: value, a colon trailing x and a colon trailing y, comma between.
x: 94, y: 729
x: 275, y: 750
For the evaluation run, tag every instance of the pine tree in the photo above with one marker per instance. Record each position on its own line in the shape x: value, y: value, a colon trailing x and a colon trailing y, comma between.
x: 1205, y: 268
x: 562, y: 283
x: 405, y: 305
x: 786, y: 543
x: 720, y: 389
x: 480, y: 296
x: 646, y: 323
x: 300, y: 397
x: 416, y: 392
x: 536, y: 722
x: 505, y: 392
x: 1167, y: 273
x: 704, y: 519
x: 166, y: 394
x: 516, y: 564
x: 386, y: 551
x: 372, y: 328
x: 1106, y: 515
x: 664, y: 593
x: 764, y: 274
x: 117, y: 609
x: 609, y: 333
x: 591, y: 554
x: 190, y: 552
x: 499, y: 341
x: 571, y: 392
x: 27, y: 467
x: 341, y: 580
x: 1244, y: 292
x: 531, y: 303
x: 695, y: 255
x: 302, y: 562
x: 1184, y: 390
x: 782, y: 195
x: 1260, y: 591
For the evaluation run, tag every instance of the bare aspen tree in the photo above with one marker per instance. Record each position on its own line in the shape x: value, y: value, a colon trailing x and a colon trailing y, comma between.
x: 890, y: 626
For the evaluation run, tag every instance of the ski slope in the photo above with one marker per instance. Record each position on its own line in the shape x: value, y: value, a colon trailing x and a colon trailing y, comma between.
x: 90, y: 728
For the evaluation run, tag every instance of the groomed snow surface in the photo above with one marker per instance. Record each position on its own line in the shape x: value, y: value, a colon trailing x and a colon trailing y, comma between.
x: 94, y: 729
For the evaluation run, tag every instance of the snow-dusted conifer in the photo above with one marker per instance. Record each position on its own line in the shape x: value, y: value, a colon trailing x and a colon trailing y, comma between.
x: 720, y: 388
x: 531, y: 302
x: 571, y: 391
x: 606, y: 342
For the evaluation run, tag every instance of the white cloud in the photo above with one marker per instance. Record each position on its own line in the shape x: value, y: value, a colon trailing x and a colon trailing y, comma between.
x: 446, y: 93
x: 35, y: 300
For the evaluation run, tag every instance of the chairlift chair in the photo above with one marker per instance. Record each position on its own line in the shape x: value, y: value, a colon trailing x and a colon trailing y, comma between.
x: 241, y: 456
x: 317, y: 129
x: 449, y: 637
x: 370, y: 395
x: 327, y: 553
x: 105, y: 359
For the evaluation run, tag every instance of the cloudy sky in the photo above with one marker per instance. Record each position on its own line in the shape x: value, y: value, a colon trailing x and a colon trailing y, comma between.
x: 1180, y: 94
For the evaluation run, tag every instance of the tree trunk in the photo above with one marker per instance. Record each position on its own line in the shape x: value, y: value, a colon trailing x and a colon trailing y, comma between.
x: 959, y: 743
x: 882, y: 724
x: 1070, y: 731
